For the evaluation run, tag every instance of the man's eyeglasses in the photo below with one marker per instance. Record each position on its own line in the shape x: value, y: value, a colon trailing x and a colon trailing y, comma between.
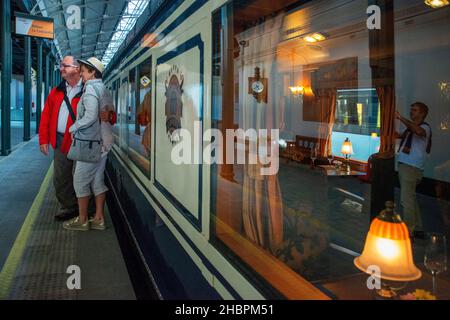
x: 63, y: 65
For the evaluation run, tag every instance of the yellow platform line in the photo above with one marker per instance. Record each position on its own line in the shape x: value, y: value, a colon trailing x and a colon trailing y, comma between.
x: 15, y: 255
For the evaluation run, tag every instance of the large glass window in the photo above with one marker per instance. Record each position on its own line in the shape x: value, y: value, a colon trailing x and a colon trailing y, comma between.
x: 115, y: 128
x: 326, y: 89
x: 131, y: 111
x: 124, y: 115
x: 140, y: 122
x: 358, y: 119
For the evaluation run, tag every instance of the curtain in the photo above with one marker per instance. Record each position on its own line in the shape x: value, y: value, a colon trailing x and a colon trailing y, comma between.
x: 326, y: 99
x: 262, y: 208
x: 262, y: 205
x: 386, y: 95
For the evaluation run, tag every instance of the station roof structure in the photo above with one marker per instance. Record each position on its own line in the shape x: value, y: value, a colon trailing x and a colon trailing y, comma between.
x: 83, y: 28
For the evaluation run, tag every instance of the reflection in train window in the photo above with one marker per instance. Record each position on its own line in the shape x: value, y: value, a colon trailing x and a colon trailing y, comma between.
x: 358, y: 117
x: 312, y: 72
x: 131, y: 106
x: 140, y: 122
x: 116, y: 127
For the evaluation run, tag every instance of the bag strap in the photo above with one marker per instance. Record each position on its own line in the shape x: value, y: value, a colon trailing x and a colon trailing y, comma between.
x: 430, y: 138
x: 69, y: 105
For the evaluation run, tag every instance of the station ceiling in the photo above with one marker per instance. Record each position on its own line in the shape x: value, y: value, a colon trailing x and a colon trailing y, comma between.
x: 98, y: 22
x: 102, y: 26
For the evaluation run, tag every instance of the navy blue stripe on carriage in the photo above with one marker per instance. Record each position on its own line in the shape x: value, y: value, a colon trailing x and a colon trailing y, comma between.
x: 194, y: 42
x: 209, y: 266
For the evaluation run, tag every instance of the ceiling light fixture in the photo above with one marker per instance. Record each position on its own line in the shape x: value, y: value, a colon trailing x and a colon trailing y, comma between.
x: 435, y: 4
x: 319, y: 36
x: 315, y: 37
x: 309, y: 39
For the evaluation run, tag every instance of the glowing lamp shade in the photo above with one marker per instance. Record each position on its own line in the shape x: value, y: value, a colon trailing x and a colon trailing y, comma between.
x: 388, y: 247
x: 437, y: 3
x: 347, y: 147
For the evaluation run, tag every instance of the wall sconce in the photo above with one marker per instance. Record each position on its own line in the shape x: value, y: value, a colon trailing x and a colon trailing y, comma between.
x: 435, y: 4
x: 301, y: 91
x: 388, y: 247
x: 445, y: 89
x: 297, y: 90
x: 445, y: 124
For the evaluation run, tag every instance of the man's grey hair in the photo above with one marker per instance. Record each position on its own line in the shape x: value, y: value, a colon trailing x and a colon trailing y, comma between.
x: 75, y: 60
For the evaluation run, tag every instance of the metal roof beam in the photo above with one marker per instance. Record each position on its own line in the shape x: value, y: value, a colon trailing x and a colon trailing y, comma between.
x: 83, y: 25
x: 83, y: 21
x: 125, y: 5
x: 101, y: 26
x: 69, y: 3
x: 89, y: 35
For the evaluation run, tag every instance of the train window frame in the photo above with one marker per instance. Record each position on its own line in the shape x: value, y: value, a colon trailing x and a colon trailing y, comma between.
x: 123, y: 107
x: 229, y: 246
x: 116, y: 97
x: 135, y: 151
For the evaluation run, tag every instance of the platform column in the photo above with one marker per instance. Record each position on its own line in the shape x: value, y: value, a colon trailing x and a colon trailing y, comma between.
x: 6, y: 61
x: 39, y: 85
x: 27, y: 90
x: 47, y: 75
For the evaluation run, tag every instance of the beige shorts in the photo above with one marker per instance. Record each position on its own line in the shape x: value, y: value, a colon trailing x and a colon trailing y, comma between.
x: 89, y: 178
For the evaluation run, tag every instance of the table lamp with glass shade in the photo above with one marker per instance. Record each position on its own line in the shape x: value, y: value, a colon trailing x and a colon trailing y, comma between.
x: 347, y: 151
x: 388, y: 247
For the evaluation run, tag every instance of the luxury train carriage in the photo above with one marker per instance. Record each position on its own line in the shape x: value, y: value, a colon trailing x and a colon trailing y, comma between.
x: 317, y: 81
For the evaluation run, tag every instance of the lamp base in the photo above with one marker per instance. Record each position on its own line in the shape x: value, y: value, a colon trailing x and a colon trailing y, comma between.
x: 348, y: 169
x: 386, y: 292
x: 389, y: 289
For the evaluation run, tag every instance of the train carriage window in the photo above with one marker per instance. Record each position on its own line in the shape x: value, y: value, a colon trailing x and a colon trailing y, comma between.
x: 131, y: 107
x: 140, y: 118
x: 124, y: 107
x: 306, y: 77
x: 116, y: 127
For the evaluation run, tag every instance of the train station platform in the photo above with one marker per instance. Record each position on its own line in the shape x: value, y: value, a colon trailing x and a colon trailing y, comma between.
x: 36, y: 251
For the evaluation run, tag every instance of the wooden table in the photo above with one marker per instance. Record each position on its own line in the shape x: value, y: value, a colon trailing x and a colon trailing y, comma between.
x: 354, y: 287
x: 331, y: 171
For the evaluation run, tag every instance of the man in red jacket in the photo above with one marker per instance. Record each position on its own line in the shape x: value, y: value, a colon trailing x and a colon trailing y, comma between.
x: 56, y: 119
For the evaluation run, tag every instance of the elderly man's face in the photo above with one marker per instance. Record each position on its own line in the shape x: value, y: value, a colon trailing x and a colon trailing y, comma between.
x: 68, y: 69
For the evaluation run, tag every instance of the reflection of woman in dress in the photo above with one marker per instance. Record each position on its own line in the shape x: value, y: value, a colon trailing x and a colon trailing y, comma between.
x: 144, y: 119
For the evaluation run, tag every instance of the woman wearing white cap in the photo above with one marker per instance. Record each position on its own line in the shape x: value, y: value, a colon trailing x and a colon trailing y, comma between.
x: 88, y: 177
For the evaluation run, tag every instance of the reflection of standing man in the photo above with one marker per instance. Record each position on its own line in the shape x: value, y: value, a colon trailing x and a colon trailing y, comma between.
x: 414, y: 148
